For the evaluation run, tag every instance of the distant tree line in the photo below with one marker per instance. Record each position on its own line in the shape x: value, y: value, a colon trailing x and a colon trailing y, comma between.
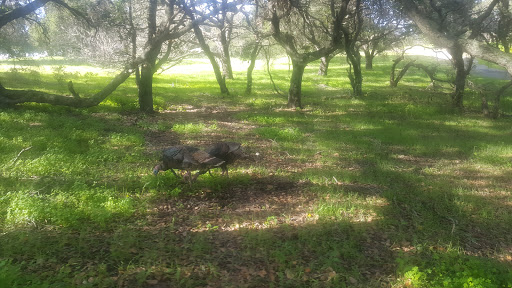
x: 144, y: 37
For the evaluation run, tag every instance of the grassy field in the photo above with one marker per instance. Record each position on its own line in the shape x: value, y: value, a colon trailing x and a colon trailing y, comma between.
x: 395, y: 189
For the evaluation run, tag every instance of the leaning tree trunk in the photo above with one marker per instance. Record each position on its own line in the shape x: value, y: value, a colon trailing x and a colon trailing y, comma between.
x: 11, y: 97
x: 226, y: 58
x: 254, y: 55
x: 295, y: 91
x: 221, y: 80
x: 393, y: 81
x: 504, y: 25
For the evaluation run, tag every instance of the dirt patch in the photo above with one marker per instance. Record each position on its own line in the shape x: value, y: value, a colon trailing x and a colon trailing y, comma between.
x: 265, y: 201
x: 159, y: 140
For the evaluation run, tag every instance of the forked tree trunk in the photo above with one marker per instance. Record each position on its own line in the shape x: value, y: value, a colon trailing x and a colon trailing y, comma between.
x: 226, y: 58
x: 355, y: 73
x: 221, y: 80
x: 295, y: 91
x: 393, y: 81
x: 254, y: 55
x: 324, y: 65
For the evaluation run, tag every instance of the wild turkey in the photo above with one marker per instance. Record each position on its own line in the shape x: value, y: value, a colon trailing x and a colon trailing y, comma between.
x: 186, y: 158
x: 229, y: 152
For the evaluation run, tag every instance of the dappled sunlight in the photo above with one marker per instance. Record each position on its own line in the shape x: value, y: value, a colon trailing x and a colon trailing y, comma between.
x: 260, y: 204
x: 199, y: 65
x: 72, y: 69
x: 346, y: 192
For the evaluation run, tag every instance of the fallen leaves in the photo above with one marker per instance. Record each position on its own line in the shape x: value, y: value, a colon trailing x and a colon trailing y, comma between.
x: 289, y: 274
x: 328, y: 275
x: 262, y: 273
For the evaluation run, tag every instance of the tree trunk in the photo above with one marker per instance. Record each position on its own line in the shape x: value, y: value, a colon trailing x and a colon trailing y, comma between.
x: 324, y: 65
x: 474, y: 47
x: 506, y: 45
x: 226, y: 58
x: 485, y: 105
x: 21, y: 11
x: 460, y: 76
x: 393, y: 81
x: 358, y: 75
x: 299, y: 60
x: 226, y: 27
x: 504, y: 24
x: 295, y: 91
x: 146, y: 88
x: 368, y: 57
x: 133, y: 39
x: 496, y: 109
x: 147, y: 68
x: 221, y: 80
x: 254, y: 55
x: 355, y: 76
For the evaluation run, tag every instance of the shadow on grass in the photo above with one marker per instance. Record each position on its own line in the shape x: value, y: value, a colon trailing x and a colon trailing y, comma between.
x: 258, y: 233
x: 353, y: 194
x: 261, y: 231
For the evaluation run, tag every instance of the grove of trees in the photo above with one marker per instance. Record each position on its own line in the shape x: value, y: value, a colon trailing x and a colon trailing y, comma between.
x: 143, y: 37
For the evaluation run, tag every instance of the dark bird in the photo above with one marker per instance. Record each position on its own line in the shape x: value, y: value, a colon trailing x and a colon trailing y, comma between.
x: 228, y: 152
x: 186, y: 158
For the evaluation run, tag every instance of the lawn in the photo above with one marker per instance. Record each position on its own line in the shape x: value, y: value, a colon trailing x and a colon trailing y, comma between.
x: 394, y: 189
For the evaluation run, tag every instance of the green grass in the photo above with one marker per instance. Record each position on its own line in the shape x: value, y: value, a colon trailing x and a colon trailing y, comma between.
x: 393, y: 189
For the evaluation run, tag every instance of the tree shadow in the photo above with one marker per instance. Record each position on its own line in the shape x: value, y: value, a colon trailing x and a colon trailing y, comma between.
x: 259, y: 234
x: 261, y: 231
x: 256, y: 230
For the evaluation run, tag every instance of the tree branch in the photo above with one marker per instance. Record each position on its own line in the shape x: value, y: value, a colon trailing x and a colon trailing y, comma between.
x: 21, y: 11
x: 31, y: 7
x: 74, y: 11
x: 470, y: 46
x: 477, y: 23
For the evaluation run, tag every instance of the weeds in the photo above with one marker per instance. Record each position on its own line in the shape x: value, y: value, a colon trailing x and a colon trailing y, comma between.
x: 452, y: 270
